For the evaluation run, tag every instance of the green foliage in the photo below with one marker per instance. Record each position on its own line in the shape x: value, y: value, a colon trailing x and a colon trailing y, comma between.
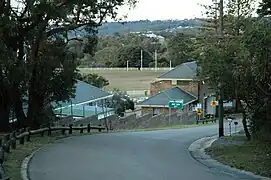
x: 121, y: 102
x: 39, y: 56
x: 265, y: 8
x: 179, y: 48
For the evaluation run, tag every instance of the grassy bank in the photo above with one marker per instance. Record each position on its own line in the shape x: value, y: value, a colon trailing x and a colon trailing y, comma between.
x: 252, y: 156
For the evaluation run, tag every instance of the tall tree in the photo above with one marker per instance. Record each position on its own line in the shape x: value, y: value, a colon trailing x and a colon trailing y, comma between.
x: 25, y: 31
x: 265, y: 8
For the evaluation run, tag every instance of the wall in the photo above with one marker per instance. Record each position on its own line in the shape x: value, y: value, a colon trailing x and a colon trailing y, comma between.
x: 189, y: 86
x: 160, y: 86
x: 149, y: 121
x: 146, y: 110
x: 93, y: 120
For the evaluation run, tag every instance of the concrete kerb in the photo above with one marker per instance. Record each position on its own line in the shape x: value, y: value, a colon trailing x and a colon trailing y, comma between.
x: 197, y: 151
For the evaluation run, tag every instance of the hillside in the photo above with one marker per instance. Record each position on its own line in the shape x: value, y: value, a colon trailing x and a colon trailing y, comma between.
x: 146, y: 25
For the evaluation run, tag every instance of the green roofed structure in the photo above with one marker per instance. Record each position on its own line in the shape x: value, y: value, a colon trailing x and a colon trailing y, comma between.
x: 88, y: 101
x: 158, y: 103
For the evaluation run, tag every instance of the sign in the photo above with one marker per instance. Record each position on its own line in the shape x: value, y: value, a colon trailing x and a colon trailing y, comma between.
x: 213, y: 103
x: 199, y: 112
x: 178, y: 104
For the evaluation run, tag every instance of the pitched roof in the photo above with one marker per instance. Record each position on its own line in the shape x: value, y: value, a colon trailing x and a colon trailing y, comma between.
x: 86, y: 93
x: 186, y: 70
x: 162, y: 98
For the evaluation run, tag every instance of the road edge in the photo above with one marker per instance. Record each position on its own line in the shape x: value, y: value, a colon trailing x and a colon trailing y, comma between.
x: 25, y: 164
x: 197, y: 151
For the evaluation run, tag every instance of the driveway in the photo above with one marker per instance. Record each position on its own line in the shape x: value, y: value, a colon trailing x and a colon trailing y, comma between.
x: 154, y: 155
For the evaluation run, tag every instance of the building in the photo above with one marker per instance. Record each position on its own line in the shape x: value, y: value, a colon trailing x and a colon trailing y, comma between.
x: 88, y: 101
x: 185, y: 77
x: 158, y: 103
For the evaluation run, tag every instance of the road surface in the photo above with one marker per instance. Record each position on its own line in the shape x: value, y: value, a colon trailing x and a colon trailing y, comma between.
x: 154, y: 155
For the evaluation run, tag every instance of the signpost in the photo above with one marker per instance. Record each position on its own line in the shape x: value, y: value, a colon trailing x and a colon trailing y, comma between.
x: 175, y: 104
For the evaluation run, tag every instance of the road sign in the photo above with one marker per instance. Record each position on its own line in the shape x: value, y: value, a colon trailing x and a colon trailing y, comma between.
x: 213, y: 103
x: 199, y: 112
x: 178, y: 104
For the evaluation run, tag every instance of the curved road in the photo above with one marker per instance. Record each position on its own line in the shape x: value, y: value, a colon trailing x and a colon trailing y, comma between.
x: 154, y: 155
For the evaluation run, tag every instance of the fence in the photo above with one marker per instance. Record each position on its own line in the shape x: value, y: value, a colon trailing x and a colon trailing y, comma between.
x: 9, y: 141
x: 129, y: 69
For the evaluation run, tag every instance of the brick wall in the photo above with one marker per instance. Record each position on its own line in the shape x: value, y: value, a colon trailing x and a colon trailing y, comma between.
x: 189, y: 86
x: 160, y: 86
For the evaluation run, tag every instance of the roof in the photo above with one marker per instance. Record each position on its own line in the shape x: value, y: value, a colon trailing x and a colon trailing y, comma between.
x: 186, y: 70
x: 162, y: 98
x: 85, y: 93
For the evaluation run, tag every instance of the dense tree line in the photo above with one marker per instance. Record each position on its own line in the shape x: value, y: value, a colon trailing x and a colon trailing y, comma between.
x: 238, y: 64
x: 38, y: 60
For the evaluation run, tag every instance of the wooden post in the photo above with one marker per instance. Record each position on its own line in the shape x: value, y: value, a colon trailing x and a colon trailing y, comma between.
x: 70, y: 130
x: 22, y: 140
x: 7, y: 145
x: 29, y: 135
x: 63, y: 130
x: 42, y: 133
x: 49, y: 131
x: 100, y: 128
x: 13, y: 143
x: 81, y: 130
x: 88, y: 128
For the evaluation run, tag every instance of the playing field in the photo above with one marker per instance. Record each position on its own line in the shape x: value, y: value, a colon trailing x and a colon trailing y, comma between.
x: 127, y: 80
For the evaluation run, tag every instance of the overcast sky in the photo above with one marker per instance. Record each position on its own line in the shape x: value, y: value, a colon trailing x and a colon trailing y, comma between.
x: 165, y: 9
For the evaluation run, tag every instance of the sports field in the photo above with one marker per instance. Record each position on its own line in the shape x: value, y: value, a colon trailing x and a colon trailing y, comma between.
x: 127, y: 80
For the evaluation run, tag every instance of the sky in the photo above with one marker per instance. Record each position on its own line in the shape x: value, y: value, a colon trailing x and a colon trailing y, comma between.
x: 165, y: 9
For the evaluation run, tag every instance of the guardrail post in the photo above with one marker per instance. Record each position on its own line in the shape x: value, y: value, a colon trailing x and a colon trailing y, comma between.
x: 42, y: 133
x: 63, y: 130
x: 70, y: 130
x: 82, y: 129
x: 13, y: 143
x: 22, y: 140
x: 88, y: 128
x: 49, y: 131
x: 7, y: 145
x: 29, y: 135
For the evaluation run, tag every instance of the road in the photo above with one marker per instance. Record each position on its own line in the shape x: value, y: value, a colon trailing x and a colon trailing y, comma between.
x: 154, y: 155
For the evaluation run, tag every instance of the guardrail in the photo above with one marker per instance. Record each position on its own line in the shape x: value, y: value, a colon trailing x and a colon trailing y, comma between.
x: 9, y: 141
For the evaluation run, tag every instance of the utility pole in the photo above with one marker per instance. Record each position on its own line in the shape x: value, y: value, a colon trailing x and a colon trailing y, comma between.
x: 170, y: 64
x: 220, y: 100
x: 155, y: 58
x: 141, y: 58
x: 127, y: 68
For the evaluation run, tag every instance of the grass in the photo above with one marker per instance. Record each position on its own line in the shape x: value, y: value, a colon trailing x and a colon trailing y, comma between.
x: 252, y: 156
x: 14, y: 160
x: 127, y: 80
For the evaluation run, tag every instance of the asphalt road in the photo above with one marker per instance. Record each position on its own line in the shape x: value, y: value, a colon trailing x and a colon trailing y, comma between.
x: 155, y: 155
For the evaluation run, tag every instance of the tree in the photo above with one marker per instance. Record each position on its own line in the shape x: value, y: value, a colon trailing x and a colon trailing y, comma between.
x: 265, y: 8
x: 179, y: 49
x: 27, y: 32
x: 132, y: 54
x: 121, y: 102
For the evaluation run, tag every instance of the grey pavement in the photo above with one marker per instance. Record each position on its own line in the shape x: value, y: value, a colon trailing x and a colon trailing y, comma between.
x: 153, y: 155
